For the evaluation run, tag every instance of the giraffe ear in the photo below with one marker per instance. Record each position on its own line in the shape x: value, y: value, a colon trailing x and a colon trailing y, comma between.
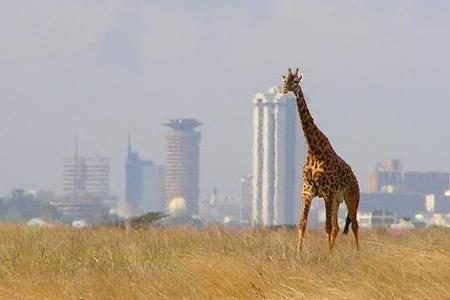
x: 300, y: 77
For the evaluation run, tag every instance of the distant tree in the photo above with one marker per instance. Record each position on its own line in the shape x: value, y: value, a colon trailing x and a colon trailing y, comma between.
x: 143, y: 221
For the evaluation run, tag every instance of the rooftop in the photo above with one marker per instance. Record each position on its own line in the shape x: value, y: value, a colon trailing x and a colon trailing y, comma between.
x: 183, y: 124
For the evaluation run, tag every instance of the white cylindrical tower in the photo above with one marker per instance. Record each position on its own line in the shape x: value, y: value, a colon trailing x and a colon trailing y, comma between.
x: 268, y: 193
x: 276, y: 159
x: 257, y: 159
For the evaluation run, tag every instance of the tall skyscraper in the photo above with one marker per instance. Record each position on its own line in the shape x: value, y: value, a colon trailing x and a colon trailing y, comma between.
x: 85, y: 187
x: 86, y: 177
x: 144, y: 190
x: 182, y: 163
x: 277, y: 152
x: 133, y: 180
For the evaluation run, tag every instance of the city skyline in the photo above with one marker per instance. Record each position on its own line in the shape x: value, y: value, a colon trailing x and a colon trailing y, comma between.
x: 372, y: 89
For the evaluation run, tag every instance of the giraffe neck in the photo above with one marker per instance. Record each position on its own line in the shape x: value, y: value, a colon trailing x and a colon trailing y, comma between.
x: 316, y: 140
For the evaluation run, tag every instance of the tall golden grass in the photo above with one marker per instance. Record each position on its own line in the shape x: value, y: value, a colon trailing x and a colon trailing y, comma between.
x: 110, y: 263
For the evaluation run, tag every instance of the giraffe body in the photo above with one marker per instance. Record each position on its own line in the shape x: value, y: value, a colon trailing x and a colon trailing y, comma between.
x: 328, y: 176
x: 325, y: 173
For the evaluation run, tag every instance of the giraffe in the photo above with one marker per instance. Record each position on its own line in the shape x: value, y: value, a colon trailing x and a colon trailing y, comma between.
x: 325, y: 173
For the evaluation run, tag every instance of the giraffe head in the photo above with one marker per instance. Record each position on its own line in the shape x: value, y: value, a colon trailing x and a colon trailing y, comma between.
x: 291, y: 82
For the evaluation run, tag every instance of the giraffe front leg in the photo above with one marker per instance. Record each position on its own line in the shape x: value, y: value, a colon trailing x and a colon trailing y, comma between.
x: 307, y: 196
x: 334, y: 223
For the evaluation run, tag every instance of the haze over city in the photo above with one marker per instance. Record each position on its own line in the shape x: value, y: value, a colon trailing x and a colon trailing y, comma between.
x: 150, y: 149
x: 376, y: 76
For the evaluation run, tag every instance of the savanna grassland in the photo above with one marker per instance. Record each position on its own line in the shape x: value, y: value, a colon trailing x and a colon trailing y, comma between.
x: 111, y: 263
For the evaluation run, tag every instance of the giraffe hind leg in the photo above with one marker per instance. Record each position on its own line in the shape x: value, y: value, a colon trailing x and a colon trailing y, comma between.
x: 352, y: 201
x: 328, y: 226
x: 354, y: 217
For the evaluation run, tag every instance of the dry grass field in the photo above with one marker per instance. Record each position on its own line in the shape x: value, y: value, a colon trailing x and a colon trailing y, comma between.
x: 109, y: 263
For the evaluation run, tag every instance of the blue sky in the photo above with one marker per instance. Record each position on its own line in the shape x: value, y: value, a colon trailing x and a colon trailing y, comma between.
x: 376, y: 75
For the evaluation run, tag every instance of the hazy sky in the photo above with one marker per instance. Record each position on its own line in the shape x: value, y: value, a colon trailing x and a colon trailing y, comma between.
x: 377, y: 74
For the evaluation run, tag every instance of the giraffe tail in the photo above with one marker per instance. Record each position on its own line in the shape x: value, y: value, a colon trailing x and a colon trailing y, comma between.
x: 347, y: 224
x: 352, y: 205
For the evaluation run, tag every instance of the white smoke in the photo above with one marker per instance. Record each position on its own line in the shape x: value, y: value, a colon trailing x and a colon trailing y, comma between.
x: 177, y: 207
x: 123, y: 209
